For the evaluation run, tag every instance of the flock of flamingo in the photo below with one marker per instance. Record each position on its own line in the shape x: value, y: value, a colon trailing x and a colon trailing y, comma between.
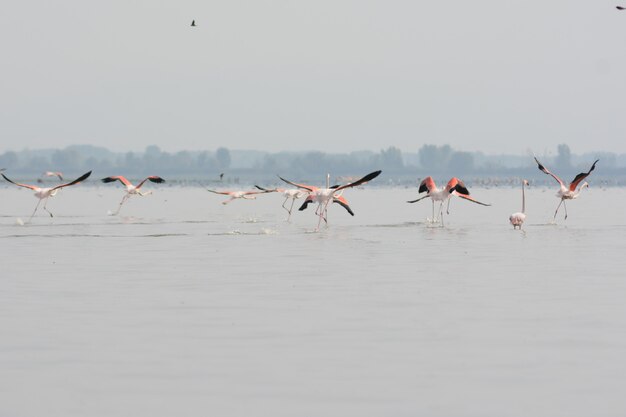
x: 324, y: 196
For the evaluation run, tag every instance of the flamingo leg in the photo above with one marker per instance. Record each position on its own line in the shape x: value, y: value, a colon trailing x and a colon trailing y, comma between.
x: 228, y: 201
x: 557, y: 208
x: 565, y: 208
x: 285, y: 202
x: 432, y: 219
x: 119, y: 207
x: 293, y: 200
x: 448, y: 208
x: 34, y: 211
x: 44, y: 207
x: 441, y: 213
x: 319, y: 212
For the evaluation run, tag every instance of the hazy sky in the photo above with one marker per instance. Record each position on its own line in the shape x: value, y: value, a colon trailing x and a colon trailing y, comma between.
x: 491, y: 75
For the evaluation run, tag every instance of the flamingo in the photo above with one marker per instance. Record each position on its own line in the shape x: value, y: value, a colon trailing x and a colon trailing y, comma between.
x: 59, y: 175
x: 454, y: 186
x: 246, y: 195
x: 45, y: 193
x: 292, y: 194
x: 567, y: 193
x: 130, y: 188
x: 324, y: 196
x: 517, y: 219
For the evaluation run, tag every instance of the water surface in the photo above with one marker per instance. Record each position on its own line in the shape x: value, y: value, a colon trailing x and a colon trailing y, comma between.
x: 183, y: 306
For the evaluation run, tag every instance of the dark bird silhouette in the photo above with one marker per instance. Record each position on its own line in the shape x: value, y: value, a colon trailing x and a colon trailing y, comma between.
x: 193, y: 23
x: 221, y: 176
x: 620, y: 8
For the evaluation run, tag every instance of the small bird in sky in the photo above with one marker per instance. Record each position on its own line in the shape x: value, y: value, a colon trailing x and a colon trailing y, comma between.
x: 620, y: 8
x: 193, y: 23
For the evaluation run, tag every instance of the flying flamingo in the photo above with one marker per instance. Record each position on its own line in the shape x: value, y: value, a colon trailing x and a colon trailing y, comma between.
x: 246, y: 195
x: 566, y: 193
x: 517, y: 219
x: 292, y: 194
x: 454, y: 186
x: 130, y: 188
x: 324, y: 196
x: 45, y: 193
x: 59, y: 175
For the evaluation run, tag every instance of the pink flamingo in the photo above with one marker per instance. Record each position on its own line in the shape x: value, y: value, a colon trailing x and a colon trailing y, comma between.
x: 246, y: 195
x: 454, y: 186
x: 292, y: 194
x: 130, y: 188
x: 45, y: 193
x: 324, y: 196
x: 567, y: 193
x: 517, y: 219
x: 59, y: 175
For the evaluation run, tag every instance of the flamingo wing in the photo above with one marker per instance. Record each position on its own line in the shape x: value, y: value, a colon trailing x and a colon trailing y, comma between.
x: 310, y: 188
x: 256, y: 192
x: 32, y: 187
x: 428, y: 184
x: 456, y: 184
x: 581, y: 176
x: 307, y: 201
x: 363, y: 180
x: 421, y: 198
x: 152, y: 178
x: 76, y: 181
x: 467, y: 197
x: 219, y: 192
x: 545, y: 171
x: 343, y: 203
x: 119, y: 178
x: 267, y: 190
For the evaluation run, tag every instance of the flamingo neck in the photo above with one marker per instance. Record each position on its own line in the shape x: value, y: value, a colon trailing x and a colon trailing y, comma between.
x: 523, y: 199
x: 580, y: 190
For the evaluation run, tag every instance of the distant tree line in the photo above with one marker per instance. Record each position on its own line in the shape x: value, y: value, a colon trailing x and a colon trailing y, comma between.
x: 428, y: 160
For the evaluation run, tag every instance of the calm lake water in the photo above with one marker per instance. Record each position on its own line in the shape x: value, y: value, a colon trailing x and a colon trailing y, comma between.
x: 181, y: 306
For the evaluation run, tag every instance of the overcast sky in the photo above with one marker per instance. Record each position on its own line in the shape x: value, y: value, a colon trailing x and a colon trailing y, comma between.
x: 337, y: 75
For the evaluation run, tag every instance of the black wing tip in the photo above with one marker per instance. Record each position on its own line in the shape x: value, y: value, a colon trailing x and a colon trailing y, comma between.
x: 541, y: 167
x: 461, y: 189
x: 108, y: 179
x: 158, y: 180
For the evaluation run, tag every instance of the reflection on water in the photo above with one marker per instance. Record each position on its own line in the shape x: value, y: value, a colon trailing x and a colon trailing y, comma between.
x: 186, y: 306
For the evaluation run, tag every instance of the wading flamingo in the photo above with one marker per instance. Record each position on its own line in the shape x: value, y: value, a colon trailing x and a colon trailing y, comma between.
x: 455, y: 186
x: 292, y: 194
x: 246, y: 195
x: 324, y: 196
x: 130, y: 188
x: 45, y: 193
x: 517, y: 219
x: 564, y: 192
